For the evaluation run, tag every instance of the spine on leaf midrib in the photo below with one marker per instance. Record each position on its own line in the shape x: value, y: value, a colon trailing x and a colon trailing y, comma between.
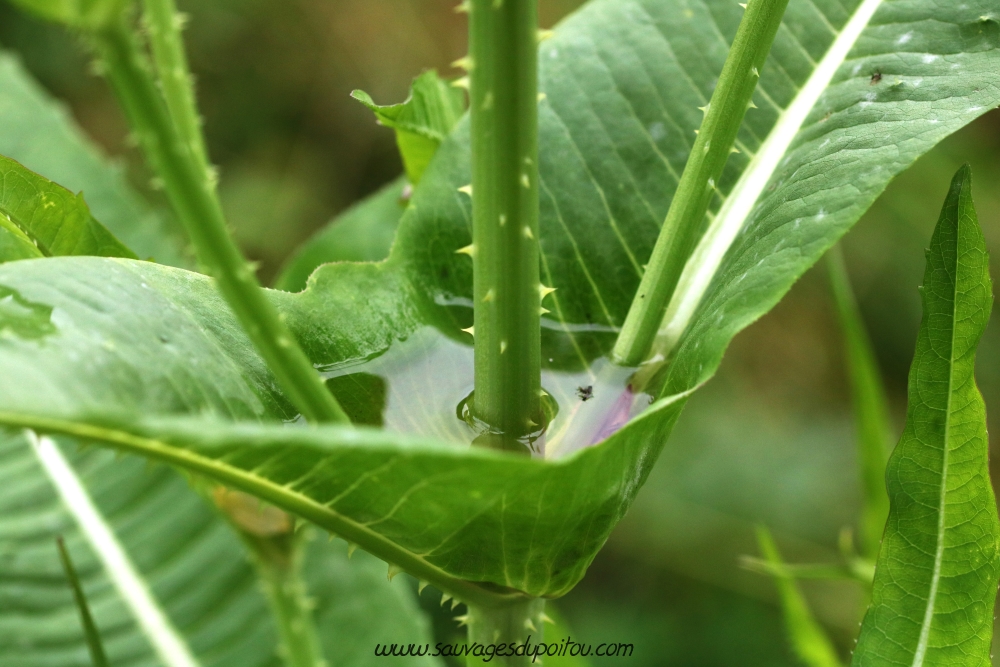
x: 697, y: 186
x: 708, y: 256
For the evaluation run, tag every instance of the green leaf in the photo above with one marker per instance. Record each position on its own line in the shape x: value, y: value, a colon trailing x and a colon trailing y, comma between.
x: 362, y: 233
x: 809, y: 642
x: 871, y: 412
x: 15, y: 244
x: 187, y: 556
x: 93, y: 636
x: 52, y: 218
x: 623, y: 82
x: 191, y: 562
x: 37, y: 131
x: 371, y: 487
x: 183, y: 353
x: 83, y: 14
x: 422, y: 122
x: 937, y: 572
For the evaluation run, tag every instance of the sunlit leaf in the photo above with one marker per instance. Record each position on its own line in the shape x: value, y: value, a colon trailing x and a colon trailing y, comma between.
x: 422, y: 122
x: 50, y: 217
x: 37, y: 131
x: 937, y: 571
x: 871, y: 412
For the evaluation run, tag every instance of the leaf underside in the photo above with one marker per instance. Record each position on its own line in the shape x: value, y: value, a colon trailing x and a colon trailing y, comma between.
x: 185, y: 553
x: 937, y: 571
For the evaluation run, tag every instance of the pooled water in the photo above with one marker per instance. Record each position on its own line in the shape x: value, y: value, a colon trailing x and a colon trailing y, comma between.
x: 419, y: 385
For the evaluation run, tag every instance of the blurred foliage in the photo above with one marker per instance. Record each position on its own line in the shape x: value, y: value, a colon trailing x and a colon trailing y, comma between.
x: 769, y: 441
x: 274, y: 83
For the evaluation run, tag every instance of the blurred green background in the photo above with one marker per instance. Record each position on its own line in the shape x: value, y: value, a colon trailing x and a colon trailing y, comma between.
x: 769, y: 441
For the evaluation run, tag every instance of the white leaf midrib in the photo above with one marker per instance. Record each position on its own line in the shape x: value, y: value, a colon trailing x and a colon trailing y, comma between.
x: 166, y: 641
x: 707, y: 258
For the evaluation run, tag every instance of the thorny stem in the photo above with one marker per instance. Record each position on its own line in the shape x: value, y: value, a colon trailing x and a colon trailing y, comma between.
x: 164, y: 25
x: 276, y: 549
x: 291, y: 608
x: 509, y: 624
x: 199, y: 210
x: 712, y: 147
x: 173, y: 142
x: 503, y: 72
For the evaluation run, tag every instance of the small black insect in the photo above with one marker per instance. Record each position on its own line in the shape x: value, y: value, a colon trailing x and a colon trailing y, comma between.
x: 876, y: 77
x: 585, y: 393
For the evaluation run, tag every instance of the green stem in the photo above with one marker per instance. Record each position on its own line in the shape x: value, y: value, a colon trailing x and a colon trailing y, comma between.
x: 510, y: 624
x: 276, y: 550
x: 290, y: 607
x: 164, y: 24
x: 503, y: 75
x: 199, y: 210
x: 712, y: 147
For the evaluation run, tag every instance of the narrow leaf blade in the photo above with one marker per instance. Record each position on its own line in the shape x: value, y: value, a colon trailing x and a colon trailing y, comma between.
x: 937, y: 572
x: 808, y: 640
x: 871, y: 412
x: 90, y: 631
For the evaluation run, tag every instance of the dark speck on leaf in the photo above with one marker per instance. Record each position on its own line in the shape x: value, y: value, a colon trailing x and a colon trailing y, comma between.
x: 876, y: 77
x: 585, y: 393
